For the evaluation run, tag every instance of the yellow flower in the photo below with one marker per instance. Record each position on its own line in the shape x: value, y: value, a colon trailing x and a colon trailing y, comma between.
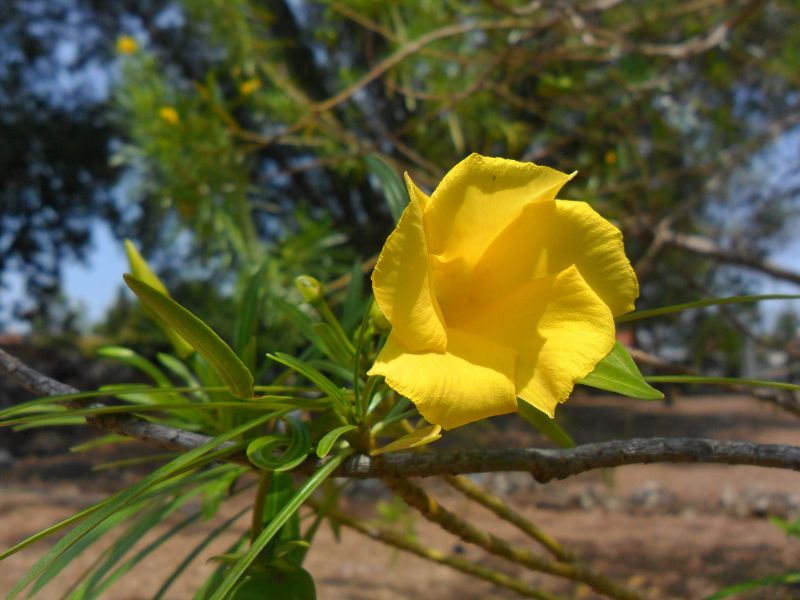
x: 169, y: 115
x: 496, y: 290
x: 610, y: 157
x: 248, y: 87
x: 126, y: 44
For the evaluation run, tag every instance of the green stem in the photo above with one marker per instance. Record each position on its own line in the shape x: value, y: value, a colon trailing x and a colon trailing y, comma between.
x: 327, y: 315
x: 361, y: 407
x: 258, y: 507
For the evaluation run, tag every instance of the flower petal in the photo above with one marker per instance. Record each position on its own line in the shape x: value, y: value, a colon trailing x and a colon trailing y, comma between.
x: 402, y: 284
x: 478, y: 198
x: 545, y: 239
x: 576, y: 331
x: 471, y: 381
x: 599, y: 255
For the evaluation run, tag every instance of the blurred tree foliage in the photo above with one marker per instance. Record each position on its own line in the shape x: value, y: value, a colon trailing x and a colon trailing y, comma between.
x: 242, y: 120
x: 661, y: 106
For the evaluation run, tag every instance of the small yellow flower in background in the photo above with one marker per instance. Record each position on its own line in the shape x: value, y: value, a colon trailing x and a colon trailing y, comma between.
x: 248, y: 87
x: 496, y: 290
x: 610, y: 157
x: 126, y: 45
x: 169, y: 115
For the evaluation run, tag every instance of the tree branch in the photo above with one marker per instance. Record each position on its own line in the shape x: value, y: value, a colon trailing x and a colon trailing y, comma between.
x: 547, y: 464
x: 703, y: 246
x: 544, y: 464
x: 154, y: 434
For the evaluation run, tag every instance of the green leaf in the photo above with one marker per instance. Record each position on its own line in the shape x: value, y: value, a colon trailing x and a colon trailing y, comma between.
x: 286, y: 583
x: 325, y: 385
x: 208, y: 344
x: 420, y: 437
x: 101, y: 512
x: 668, y: 310
x: 332, y: 344
x: 328, y: 440
x: 778, y: 385
x: 544, y: 424
x: 352, y: 307
x: 97, y: 591
x: 784, y: 579
x: 135, y: 360
x: 297, y: 444
x: 224, y: 527
x: 618, y: 373
x: 142, y: 271
x: 394, y: 192
x: 247, y: 319
x: 156, y: 513
x: 238, y: 570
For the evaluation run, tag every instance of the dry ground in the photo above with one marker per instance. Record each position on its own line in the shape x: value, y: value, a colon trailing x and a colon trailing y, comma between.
x: 670, y: 531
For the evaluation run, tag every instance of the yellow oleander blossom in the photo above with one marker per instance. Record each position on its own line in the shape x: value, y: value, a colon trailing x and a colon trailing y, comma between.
x: 496, y: 290
x: 126, y: 44
x: 169, y: 115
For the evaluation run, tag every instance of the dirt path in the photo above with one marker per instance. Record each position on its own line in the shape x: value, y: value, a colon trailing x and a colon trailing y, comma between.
x: 670, y: 531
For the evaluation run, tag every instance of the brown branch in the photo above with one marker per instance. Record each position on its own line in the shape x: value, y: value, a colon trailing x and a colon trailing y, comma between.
x: 417, y: 498
x: 408, y: 544
x: 544, y: 464
x: 548, y: 464
x: 154, y: 434
x: 705, y: 247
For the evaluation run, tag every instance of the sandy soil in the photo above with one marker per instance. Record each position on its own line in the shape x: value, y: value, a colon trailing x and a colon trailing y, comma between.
x: 669, y: 531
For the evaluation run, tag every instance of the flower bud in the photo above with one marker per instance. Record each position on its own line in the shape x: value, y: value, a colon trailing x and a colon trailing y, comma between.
x: 379, y: 319
x: 310, y: 288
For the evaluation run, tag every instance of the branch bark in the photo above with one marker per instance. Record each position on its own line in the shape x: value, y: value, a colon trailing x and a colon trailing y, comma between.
x: 544, y: 464
x: 154, y: 434
x: 549, y: 464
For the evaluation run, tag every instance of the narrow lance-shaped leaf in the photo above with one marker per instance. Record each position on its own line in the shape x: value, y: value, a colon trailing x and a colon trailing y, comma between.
x: 327, y: 441
x: 236, y: 572
x: 248, y: 311
x: 208, y: 344
x: 544, y: 424
x: 141, y: 270
x: 618, y: 373
x: 726, y: 381
x: 394, y: 191
x: 675, y: 308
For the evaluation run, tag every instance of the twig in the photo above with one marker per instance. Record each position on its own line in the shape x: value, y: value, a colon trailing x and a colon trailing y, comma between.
x: 154, y: 434
x: 501, y: 509
x: 407, y: 544
x: 544, y: 464
x: 417, y: 498
x: 549, y: 464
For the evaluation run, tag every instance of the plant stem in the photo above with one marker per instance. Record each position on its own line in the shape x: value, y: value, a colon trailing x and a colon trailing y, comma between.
x: 417, y: 498
x: 258, y: 506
